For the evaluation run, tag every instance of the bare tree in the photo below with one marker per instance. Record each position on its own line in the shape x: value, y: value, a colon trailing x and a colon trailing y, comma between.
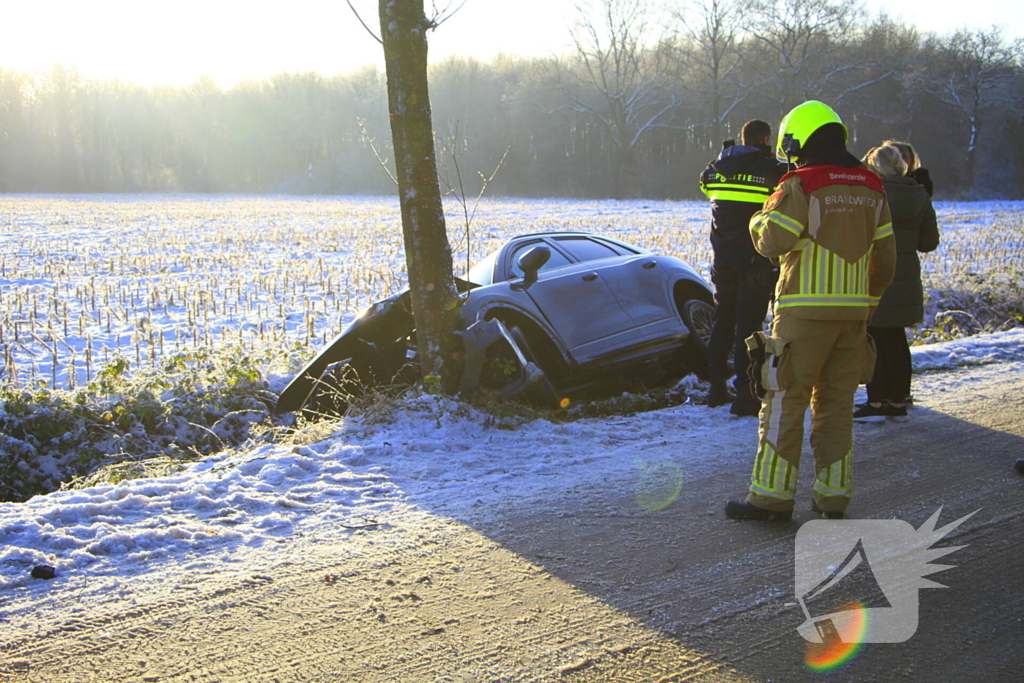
x: 978, y: 69
x: 622, y: 83
x: 707, y: 50
x: 428, y: 254
x: 806, y: 51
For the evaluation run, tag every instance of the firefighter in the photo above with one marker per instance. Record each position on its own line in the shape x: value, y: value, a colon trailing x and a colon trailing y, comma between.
x: 829, y: 225
x: 738, y: 182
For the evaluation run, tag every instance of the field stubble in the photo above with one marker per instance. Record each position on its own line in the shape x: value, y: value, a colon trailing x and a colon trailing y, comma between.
x: 87, y: 278
x: 236, y: 293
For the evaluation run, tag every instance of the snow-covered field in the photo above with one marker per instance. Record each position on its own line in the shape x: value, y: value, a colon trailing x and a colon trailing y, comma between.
x: 76, y: 271
x: 83, y: 278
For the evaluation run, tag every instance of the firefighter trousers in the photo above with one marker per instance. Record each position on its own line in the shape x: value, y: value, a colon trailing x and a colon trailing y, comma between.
x: 817, y: 363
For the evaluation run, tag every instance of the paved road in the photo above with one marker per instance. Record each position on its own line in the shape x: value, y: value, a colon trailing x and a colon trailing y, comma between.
x: 611, y: 592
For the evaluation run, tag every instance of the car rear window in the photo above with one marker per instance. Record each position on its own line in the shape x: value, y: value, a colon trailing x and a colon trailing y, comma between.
x: 585, y: 249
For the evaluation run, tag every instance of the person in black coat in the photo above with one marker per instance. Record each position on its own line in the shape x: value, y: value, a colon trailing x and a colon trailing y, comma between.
x: 738, y: 182
x: 916, y: 230
x: 913, y: 161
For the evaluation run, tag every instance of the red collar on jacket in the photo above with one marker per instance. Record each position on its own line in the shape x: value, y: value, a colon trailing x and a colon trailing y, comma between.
x: 818, y: 176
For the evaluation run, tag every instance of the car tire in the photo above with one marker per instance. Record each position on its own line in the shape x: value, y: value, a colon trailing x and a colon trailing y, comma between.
x: 699, y: 317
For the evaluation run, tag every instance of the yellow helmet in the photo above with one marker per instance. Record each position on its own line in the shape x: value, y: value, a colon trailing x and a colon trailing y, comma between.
x: 798, y: 125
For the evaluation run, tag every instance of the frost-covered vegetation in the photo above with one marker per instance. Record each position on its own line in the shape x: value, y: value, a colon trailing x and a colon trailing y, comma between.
x: 140, y: 332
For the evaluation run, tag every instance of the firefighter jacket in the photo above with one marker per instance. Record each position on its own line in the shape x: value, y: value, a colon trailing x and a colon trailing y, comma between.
x: 831, y: 229
x: 738, y: 182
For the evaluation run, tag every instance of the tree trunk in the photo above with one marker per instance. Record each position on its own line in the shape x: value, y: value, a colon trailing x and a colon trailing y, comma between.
x: 428, y: 255
x: 972, y: 151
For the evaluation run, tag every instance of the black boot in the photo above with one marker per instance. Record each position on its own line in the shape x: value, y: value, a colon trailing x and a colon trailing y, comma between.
x: 745, y: 404
x: 719, y: 394
x: 830, y: 514
x: 741, y: 509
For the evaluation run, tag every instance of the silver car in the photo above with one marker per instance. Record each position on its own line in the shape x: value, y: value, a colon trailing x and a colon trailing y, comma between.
x: 545, y: 317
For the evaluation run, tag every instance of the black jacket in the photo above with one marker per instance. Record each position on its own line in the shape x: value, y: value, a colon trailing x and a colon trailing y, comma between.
x: 916, y: 229
x: 738, y: 182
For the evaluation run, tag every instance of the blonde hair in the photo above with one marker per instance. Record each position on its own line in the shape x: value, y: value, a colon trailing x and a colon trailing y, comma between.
x: 886, y: 161
x: 908, y: 153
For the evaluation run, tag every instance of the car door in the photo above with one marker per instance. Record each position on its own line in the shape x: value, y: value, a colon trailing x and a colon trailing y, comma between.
x: 579, y: 305
x: 639, y: 283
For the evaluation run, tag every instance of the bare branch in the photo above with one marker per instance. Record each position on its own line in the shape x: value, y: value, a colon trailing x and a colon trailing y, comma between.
x: 442, y: 15
x: 368, y: 29
x: 369, y: 141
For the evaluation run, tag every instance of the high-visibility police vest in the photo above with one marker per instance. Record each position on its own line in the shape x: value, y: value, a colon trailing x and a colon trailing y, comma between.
x: 738, y: 182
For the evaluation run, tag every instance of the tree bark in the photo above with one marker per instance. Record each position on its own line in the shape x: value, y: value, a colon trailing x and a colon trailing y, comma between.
x: 427, y: 252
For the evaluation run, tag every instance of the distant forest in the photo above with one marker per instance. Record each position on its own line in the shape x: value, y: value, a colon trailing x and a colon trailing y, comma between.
x: 636, y: 109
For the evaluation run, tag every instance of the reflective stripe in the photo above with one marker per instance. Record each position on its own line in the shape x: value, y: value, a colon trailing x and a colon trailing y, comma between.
x: 827, y: 279
x: 825, y: 300
x: 736, y: 196
x: 883, y: 231
x: 773, y: 476
x: 813, y: 216
x: 786, y: 222
x: 837, y: 478
x: 757, y: 222
x: 736, y: 186
x: 775, y: 416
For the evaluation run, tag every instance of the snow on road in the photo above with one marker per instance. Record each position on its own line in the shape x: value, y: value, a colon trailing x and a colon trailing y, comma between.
x: 237, y: 514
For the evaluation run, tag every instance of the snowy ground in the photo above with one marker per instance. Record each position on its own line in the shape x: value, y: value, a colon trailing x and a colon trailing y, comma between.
x: 243, y: 514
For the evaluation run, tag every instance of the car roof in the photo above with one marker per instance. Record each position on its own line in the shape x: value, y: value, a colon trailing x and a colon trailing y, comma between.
x: 555, y: 232
x: 574, y: 233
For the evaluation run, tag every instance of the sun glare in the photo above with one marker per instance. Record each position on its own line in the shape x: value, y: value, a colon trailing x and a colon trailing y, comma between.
x: 231, y: 41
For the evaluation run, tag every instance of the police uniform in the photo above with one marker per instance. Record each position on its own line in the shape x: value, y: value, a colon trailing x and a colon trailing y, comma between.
x: 738, y: 183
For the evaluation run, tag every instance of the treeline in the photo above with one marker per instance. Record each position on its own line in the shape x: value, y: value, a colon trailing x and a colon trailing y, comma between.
x: 636, y: 109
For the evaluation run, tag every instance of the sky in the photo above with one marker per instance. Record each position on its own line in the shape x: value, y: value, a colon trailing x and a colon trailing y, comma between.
x: 248, y: 513
x: 230, y: 40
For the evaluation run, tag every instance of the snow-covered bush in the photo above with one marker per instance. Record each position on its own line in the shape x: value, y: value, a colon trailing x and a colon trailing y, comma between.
x: 989, y: 301
x: 196, y: 404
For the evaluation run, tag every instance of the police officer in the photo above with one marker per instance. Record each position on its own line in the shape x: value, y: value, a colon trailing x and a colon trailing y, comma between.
x: 829, y: 224
x: 738, y: 182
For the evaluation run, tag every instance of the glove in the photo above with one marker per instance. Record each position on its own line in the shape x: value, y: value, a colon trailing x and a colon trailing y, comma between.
x: 755, y: 352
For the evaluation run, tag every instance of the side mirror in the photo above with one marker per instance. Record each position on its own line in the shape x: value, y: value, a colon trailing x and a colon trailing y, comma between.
x: 531, y: 262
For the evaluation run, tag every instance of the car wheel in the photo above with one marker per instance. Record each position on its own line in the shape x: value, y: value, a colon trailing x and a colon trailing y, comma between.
x: 699, y: 317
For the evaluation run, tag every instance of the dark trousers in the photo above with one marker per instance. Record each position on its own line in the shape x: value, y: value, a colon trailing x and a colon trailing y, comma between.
x: 891, y: 381
x: 742, y: 297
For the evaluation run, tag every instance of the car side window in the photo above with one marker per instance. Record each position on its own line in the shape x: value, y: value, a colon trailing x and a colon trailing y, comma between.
x: 585, y: 249
x: 557, y: 260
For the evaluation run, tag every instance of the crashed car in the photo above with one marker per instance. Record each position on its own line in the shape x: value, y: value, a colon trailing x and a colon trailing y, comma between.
x: 546, y: 317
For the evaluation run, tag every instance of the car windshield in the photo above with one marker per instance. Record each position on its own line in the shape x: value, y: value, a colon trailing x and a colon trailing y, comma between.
x: 483, y: 272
